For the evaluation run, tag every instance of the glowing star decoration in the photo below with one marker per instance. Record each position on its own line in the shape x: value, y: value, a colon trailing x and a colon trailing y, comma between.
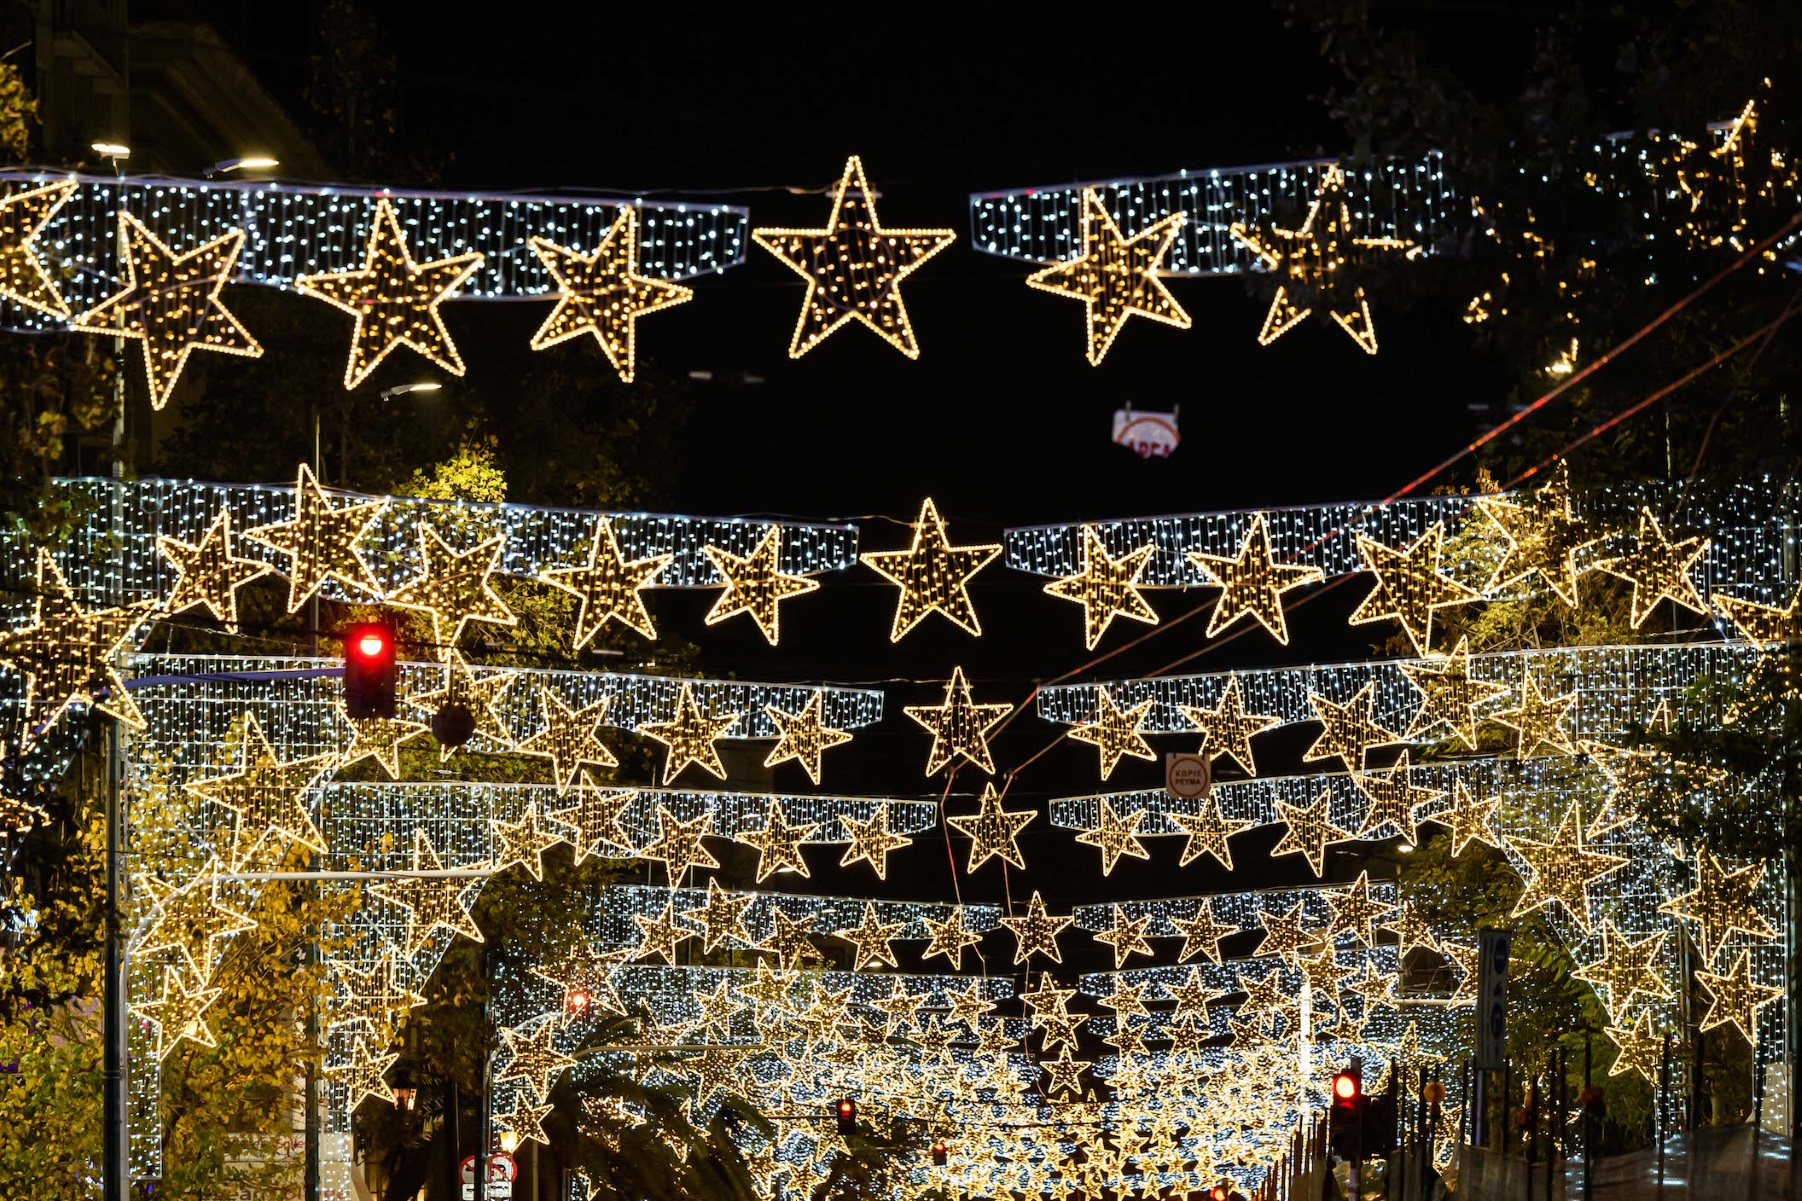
x: 1105, y: 587
x: 778, y: 844
x: 532, y: 1058
x: 394, y: 300
x: 1115, y: 836
x: 949, y: 937
x: 433, y: 902
x: 374, y: 999
x: 1764, y: 624
x: 170, y: 304
x: 568, y: 738
x: 1563, y: 869
x: 609, y: 588
x: 1641, y: 1049
x: 1252, y: 582
x: 193, y: 921
x: 690, y: 737
x: 603, y: 294
x: 933, y: 575
x: 179, y: 1014
x: 1469, y: 819
x: 1310, y: 828
x: 1644, y: 782
x: 267, y: 796
x: 320, y: 541
x: 1538, y: 719
x: 756, y: 584
x: 1202, y: 933
x: 660, y: 934
x: 1393, y: 799
x: 67, y: 655
x: 1065, y: 1073
x: 377, y: 738
x: 22, y: 218
x: 1736, y: 998
x: 720, y: 917
x: 678, y: 844
x: 593, y: 820
x: 871, y: 937
x: 1355, y: 911
x: 1449, y: 697
x: 788, y: 940
x: 804, y: 736
x: 1625, y: 968
x: 477, y: 693
x: 1348, y: 731
x: 993, y: 832
x: 1409, y: 586
x: 1115, y: 277
x: 959, y: 726
x: 1659, y: 570
x: 363, y: 1076
x: 853, y: 267
x: 209, y: 575
x: 1227, y: 728
x: 452, y: 588
x: 1208, y: 832
x: 1720, y: 903
x: 1036, y: 931
x: 526, y: 1120
x: 1543, y: 536
x: 1115, y: 732
x: 523, y: 842
x: 1284, y: 935
x: 872, y: 840
x: 1311, y: 257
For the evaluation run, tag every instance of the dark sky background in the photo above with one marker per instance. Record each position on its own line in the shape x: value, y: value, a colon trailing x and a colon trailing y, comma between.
x: 1001, y: 420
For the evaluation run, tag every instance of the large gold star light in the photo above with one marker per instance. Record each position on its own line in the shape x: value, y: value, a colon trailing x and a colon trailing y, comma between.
x: 804, y: 736
x: 68, y: 655
x: 1115, y: 732
x: 933, y: 575
x: 1252, y: 582
x: 1409, y: 586
x: 603, y: 294
x: 1659, y: 570
x: 452, y: 587
x: 609, y: 587
x: 959, y: 726
x: 690, y: 737
x: 1106, y: 587
x: 209, y: 574
x: 321, y: 541
x: 1115, y: 276
x: 756, y: 584
x: 23, y: 216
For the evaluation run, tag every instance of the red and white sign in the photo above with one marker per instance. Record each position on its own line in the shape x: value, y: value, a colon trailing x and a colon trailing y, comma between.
x: 502, y: 1172
x: 1148, y: 435
x: 1187, y: 777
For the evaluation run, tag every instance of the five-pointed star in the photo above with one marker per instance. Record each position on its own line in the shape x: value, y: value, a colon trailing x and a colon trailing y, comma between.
x: 207, y: 574
x: 871, y: 937
x: 933, y: 575
x: 1538, y: 719
x: 568, y: 738
x: 266, y: 795
x: 1409, y: 586
x: 68, y: 655
x: 804, y: 736
x: 1659, y: 570
x: 1037, y: 931
x: 1643, y: 782
x: 778, y: 844
x: 192, y: 920
x: 453, y: 588
x: 1310, y: 828
x: 478, y: 694
x: 372, y: 999
x: 1285, y: 936
x: 525, y: 1119
x: 1355, y: 911
x: 431, y: 901
x: 1115, y: 732
x: 1348, y: 731
x: 1563, y: 869
x: 1469, y: 819
x: 1126, y: 935
x: 678, y: 844
x: 1106, y: 587
x: 320, y: 541
x: 720, y: 916
x: 1226, y: 729
x: 23, y: 216
x: 1115, y: 835
x: 872, y: 840
x: 853, y: 267
x: 1208, y: 832
x: 1449, y: 697
x: 1115, y: 276
x: 1393, y: 799
x: 1720, y: 903
x: 593, y: 820
x: 788, y: 940
x: 609, y: 587
x: 180, y: 1013
x: 959, y: 726
x: 1202, y: 933
x: 1065, y: 1073
x: 660, y: 933
x: 532, y: 1057
x: 1641, y: 1048
x: 1625, y: 968
x: 756, y: 584
x: 363, y: 1075
x: 690, y: 737
x: 950, y: 937
x: 1736, y: 998
x: 603, y: 294
x: 1763, y: 624
x: 523, y: 842
x: 992, y: 831
x: 170, y: 304
x: 377, y: 738
x: 1543, y: 536
x: 1253, y: 582
x: 394, y: 300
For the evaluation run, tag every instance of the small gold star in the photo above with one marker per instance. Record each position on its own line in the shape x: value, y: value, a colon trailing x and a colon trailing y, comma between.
x: 568, y: 738
x: 1253, y: 582
x: 1659, y: 570
x: 1736, y: 998
x: 871, y: 841
x: 992, y: 831
x: 959, y: 726
x: 950, y: 937
x: 532, y: 1058
x: 1641, y: 1048
x: 1208, y: 832
x: 659, y: 934
x: 1115, y: 732
x: 1348, y: 731
x: 1625, y: 968
x: 788, y: 939
x: 1106, y: 587
x: 523, y: 842
x: 431, y: 902
x: 1115, y: 277
x: 479, y: 694
x: 363, y: 1075
x: 23, y: 216
x: 1310, y: 828
x: 1393, y: 799
x: 593, y: 820
x: 1720, y: 903
x: 603, y: 294
x: 1543, y: 536
x: 1409, y: 586
x: 804, y: 736
x: 778, y: 844
x: 452, y: 588
x: 720, y: 916
x: 208, y: 574
x: 690, y: 737
x: 1563, y: 869
x: 526, y: 1119
x: 320, y: 541
x: 933, y: 575
x: 1037, y: 931
x: 377, y: 738
x: 1284, y: 935
x: 1065, y: 1073
x: 678, y: 844
x: 756, y: 584
x: 1449, y: 697
x: 1469, y: 818
x: 609, y: 587
x: 1115, y: 836
x: 871, y: 937
x: 266, y: 795
x: 1355, y: 911
x: 1202, y: 933
x: 69, y: 655
x: 1539, y: 719
x: 1227, y: 729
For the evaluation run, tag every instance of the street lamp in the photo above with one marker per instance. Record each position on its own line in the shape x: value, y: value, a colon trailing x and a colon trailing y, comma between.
x: 112, y: 150
x: 403, y: 389
x: 255, y: 162
x: 509, y: 1141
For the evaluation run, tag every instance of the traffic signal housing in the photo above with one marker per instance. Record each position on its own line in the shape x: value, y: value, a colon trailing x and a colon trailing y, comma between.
x: 847, y: 1116
x: 939, y: 1153
x: 369, y: 670
x: 1345, y: 1117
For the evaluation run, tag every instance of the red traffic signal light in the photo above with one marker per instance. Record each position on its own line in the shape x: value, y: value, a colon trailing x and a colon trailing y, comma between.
x: 939, y: 1153
x: 847, y: 1116
x: 1217, y: 1193
x: 369, y: 670
x: 1345, y: 1088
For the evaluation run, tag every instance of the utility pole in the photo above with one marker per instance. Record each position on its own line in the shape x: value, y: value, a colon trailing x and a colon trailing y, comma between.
x: 115, y: 1149
x: 311, y: 1097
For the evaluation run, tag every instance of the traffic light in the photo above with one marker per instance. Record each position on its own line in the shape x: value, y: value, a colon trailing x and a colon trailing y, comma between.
x: 1379, y: 1125
x: 939, y: 1153
x: 1345, y: 1119
x: 1217, y: 1193
x: 847, y: 1116
x: 369, y: 670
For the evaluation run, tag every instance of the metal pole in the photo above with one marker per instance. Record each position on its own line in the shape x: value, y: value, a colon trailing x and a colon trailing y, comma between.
x: 1590, y: 1133
x: 1792, y: 1033
x: 113, y: 1068
x: 487, y: 1089
x: 1659, y: 1115
x: 311, y: 1096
